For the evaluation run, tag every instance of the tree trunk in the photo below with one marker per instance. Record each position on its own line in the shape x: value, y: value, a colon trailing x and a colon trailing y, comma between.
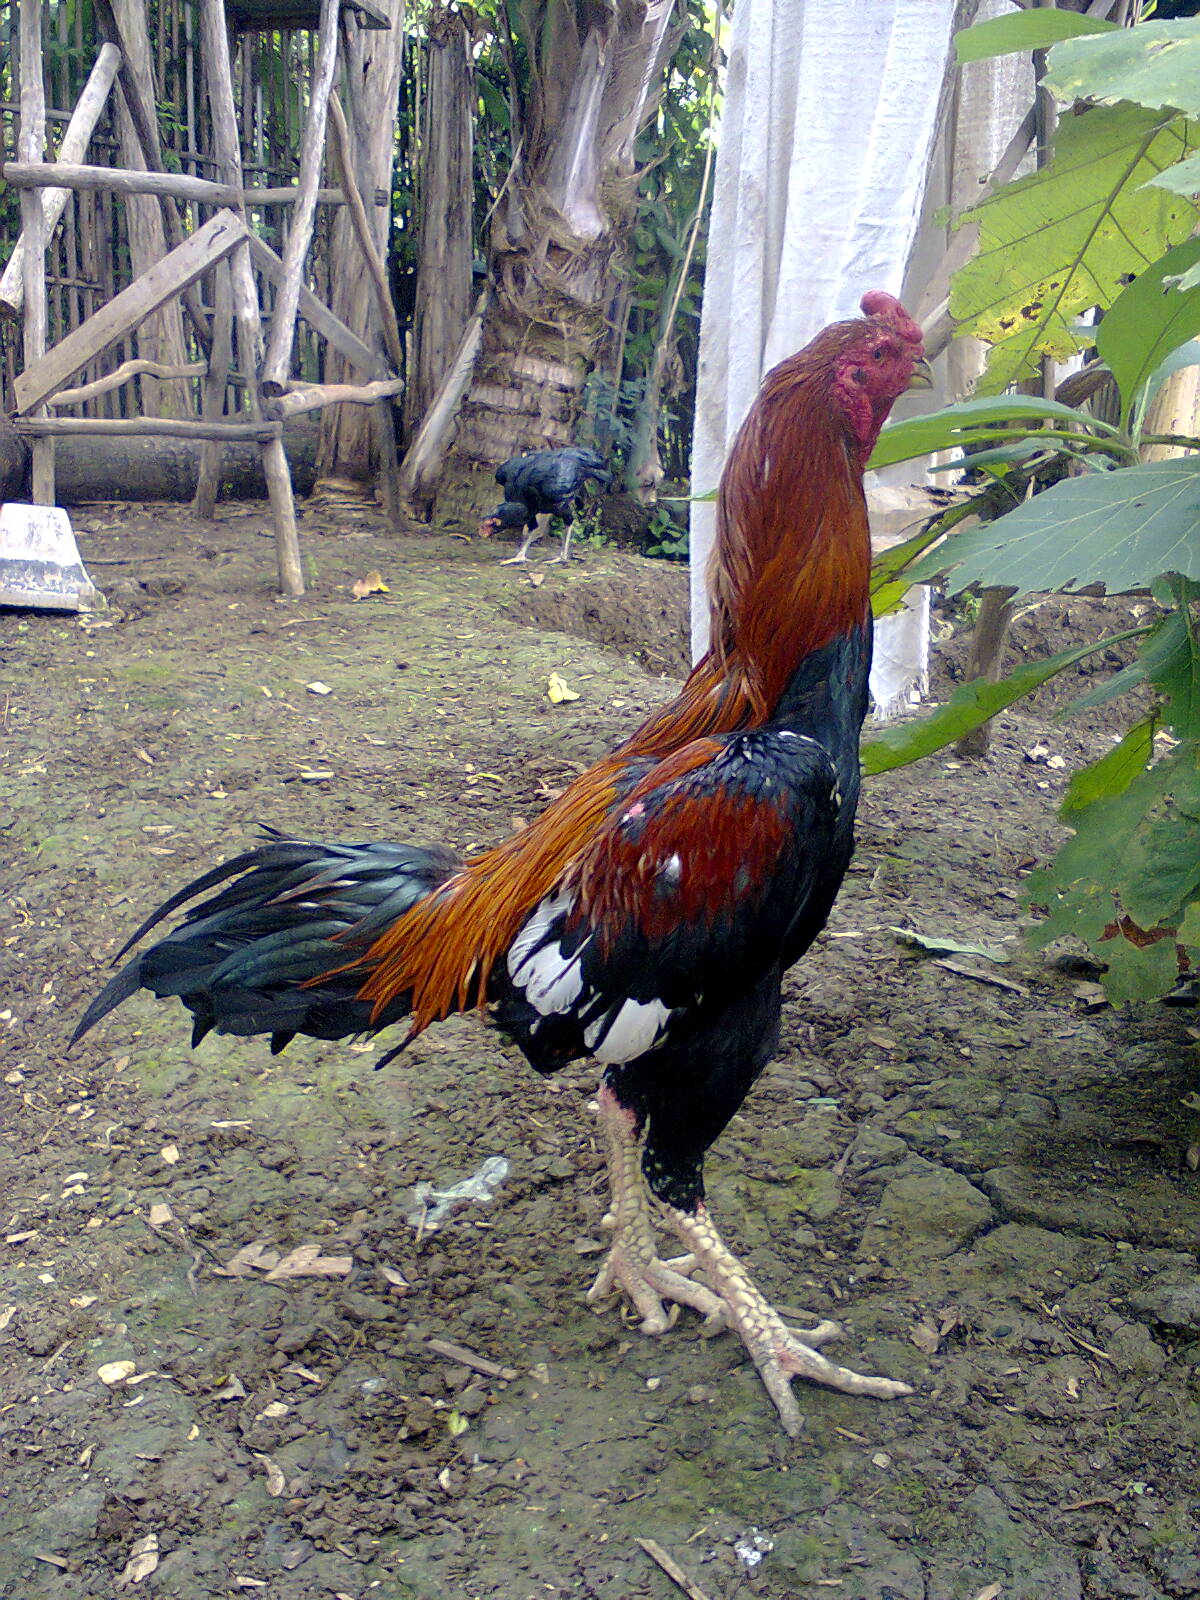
x: 349, y: 435
x: 560, y: 231
x: 443, y: 295
x: 130, y: 468
x: 160, y: 337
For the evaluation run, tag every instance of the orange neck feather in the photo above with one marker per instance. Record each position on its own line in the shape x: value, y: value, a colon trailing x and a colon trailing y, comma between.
x: 789, y: 573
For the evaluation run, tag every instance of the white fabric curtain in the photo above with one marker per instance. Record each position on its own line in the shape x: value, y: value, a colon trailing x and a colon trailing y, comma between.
x: 829, y: 120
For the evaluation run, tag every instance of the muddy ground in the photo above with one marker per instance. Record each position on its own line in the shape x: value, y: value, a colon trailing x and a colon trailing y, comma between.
x: 976, y: 1166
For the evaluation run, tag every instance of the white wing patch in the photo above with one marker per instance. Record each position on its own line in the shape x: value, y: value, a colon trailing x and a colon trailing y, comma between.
x: 551, y: 980
x: 627, y: 1032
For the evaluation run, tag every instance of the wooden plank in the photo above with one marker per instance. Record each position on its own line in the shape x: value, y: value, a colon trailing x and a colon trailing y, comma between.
x: 128, y: 180
x: 114, y: 321
x: 320, y: 319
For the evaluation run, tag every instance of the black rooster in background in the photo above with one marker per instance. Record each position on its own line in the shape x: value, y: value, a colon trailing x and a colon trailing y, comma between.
x: 544, y: 484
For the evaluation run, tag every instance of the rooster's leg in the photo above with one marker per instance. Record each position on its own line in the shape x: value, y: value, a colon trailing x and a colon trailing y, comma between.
x: 779, y: 1354
x: 632, y: 1263
x: 536, y: 532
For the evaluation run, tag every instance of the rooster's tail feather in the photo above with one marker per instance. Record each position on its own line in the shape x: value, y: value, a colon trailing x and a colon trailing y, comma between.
x: 268, y: 954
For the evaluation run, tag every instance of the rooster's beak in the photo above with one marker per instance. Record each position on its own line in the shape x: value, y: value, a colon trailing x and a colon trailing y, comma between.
x: 922, y: 376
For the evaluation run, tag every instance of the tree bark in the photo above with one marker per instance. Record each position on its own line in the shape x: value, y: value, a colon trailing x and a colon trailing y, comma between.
x: 443, y: 293
x: 160, y: 337
x: 350, y: 434
x: 562, y: 226
x: 132, y: 468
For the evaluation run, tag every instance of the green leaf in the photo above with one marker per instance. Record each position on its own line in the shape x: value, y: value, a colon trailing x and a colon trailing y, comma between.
x: 1172, y: 663
x: 1188, y: 280
x: 969, y: 422
x: 1156, y: 64
x: 1147, y: 322
x: 1188, y: 931
x: 1182, y: 178
x: 1138, y: 972
x: 1117, y: 528
x: 969, y: 706
x: 1132, y: 863
x: 1064, y: 239
x: 938, y: 945
x: 1023, y: 30
x: 1122, y: 682
x: 1113, y: 773
x: 1003, y: 457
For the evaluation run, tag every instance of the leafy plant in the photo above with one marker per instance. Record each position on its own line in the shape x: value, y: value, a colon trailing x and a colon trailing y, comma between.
x: 1104, y: 226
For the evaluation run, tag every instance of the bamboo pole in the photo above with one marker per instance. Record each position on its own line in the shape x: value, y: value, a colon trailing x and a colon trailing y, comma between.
x: 74, y: 142
x: 128, y: 180
x: 30, y: 144
x: 226, y: 147
x: 312, y: 147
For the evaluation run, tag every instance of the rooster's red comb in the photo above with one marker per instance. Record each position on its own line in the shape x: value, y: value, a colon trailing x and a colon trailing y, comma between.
x: 878, y: 303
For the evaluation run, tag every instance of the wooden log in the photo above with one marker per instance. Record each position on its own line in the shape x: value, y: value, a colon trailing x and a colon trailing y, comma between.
x: 362, y: 232
x: 313, y: 396
x: 131, y: 468
x: 151, y: 427
x: 312, y: 147
x: 320, y: 319
x: 52, y: 176
x: 176, y: 271
x: 124, y: 374
x: 31, y: 141
x: 74, y: 142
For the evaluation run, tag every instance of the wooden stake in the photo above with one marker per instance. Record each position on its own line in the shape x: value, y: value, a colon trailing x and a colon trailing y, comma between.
x: 362, y: 232
x: 283, y: 507
x: 312, y: 147
x: 208, y: 473
x: 31, y: 144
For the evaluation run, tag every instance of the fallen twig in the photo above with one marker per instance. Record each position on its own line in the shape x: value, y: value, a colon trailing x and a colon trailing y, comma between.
x: 468, y: 1358
x: 672, y: 1569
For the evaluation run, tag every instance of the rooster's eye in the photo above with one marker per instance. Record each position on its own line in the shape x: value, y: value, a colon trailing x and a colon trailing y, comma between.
x: 877, y: 354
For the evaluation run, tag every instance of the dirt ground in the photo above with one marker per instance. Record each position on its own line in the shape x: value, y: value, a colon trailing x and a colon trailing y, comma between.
x: 975, y: 1165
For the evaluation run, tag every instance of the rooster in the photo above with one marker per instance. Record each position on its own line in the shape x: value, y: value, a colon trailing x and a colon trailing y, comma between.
x: 646, y: 918
x: 539, y: 486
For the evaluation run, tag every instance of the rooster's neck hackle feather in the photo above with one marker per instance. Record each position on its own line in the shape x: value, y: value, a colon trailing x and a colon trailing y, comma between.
x: 790, y: 573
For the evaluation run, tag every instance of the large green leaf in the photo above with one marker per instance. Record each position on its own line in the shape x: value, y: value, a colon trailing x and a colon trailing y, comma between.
x: 1155, y: 64
x: 1121, y: 529
x: 1147, y: 321
x: 1067, y: 238
x: 973, y: 422
x: 968, y: 707
x: 1133, y: 864
x: 1023, y: 30
x: 1171, y: 659
x: 1113, y: 773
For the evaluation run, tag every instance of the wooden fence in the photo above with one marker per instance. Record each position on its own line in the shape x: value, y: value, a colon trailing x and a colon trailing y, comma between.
x: 88, y: 251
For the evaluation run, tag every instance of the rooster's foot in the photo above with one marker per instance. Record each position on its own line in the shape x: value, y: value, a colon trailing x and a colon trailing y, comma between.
x: 633, y: 1267
x: 511, y: 561
x: 779, y: 1354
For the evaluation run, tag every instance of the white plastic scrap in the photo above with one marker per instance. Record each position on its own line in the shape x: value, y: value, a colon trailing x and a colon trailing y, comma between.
x: 751, y: 1548
x: 431, y: 1206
